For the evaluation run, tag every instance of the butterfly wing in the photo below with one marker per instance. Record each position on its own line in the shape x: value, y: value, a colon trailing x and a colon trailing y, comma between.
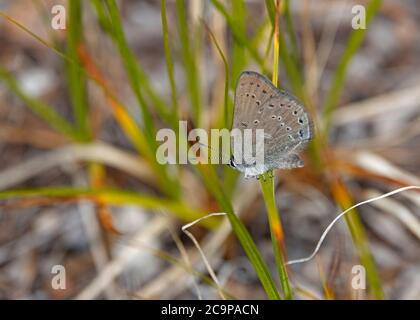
x: 287, y: 128
x: 252, y: 91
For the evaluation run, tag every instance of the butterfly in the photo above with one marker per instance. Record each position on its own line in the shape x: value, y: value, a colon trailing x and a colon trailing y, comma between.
x: 286, y: 125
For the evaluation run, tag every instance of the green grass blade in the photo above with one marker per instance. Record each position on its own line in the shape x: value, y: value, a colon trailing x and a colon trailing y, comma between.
x: 290, y: 30
x: 291, y: 69
x: 344, y: 200
x: 288, y: 61
x: 168, y: 58
x: 130, y: 64
x: 352, y: 46
x: 238, y: 35
x: 276, y: 231
x: 41, y: 109
x: 137, y: 77
x: 189, y: 61
x: 227, y: 107
x: 109, y: 17
x: 271, y: 10
x: 101, y: 15
x: 254, y: 257
x: 211, y: 181
x: 267, y: 182
x: 113, y: 197
x: 238, y: 61
x: 76, y: 77
x: 362, y: 245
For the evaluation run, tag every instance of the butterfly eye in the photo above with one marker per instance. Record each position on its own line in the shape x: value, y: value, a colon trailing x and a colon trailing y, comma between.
x: 232, y: 163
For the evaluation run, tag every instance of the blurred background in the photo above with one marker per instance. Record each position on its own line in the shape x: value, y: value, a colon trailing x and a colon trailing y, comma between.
x: 80, y: 188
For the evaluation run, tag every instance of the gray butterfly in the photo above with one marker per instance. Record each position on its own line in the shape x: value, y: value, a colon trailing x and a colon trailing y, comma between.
x: 287, y: 126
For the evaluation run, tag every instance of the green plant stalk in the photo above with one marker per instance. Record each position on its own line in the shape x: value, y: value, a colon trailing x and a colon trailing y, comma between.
x: 136, y: 76
x: 344, y: 200
x: 294, y: 74
x: 288, y: 60
x: 76, y: 78
x: 144, y: 142
x: 271, y: 10
x: 41, y: 109
x: 290, y: 30
x: 114, y: 197
x: 102, y: 15
x: 276, y: 49
x: 168, y: 58
x: 131, y: 67
x: 352, y: 46
x: 267, y: 185
x: 171, y: 74
x: 238, y: 36
x: 45, y: 43
x: 238, y: 59
x: 291, y: 69
x: 361, y: 242
x: 106, y: 20
x: 211, y: 182
x: 254, y: 256
x: 230, y: 176
x: 276, y: 231
x: 227, y: 107
x: 259, y: 36
x: 189, y: 62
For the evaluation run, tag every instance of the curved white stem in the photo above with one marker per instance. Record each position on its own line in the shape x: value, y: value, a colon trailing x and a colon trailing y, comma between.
x: 324, y: 234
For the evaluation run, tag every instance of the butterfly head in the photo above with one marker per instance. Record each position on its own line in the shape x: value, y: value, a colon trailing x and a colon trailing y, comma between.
x: 249, y: 169
x: 232, y: 163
